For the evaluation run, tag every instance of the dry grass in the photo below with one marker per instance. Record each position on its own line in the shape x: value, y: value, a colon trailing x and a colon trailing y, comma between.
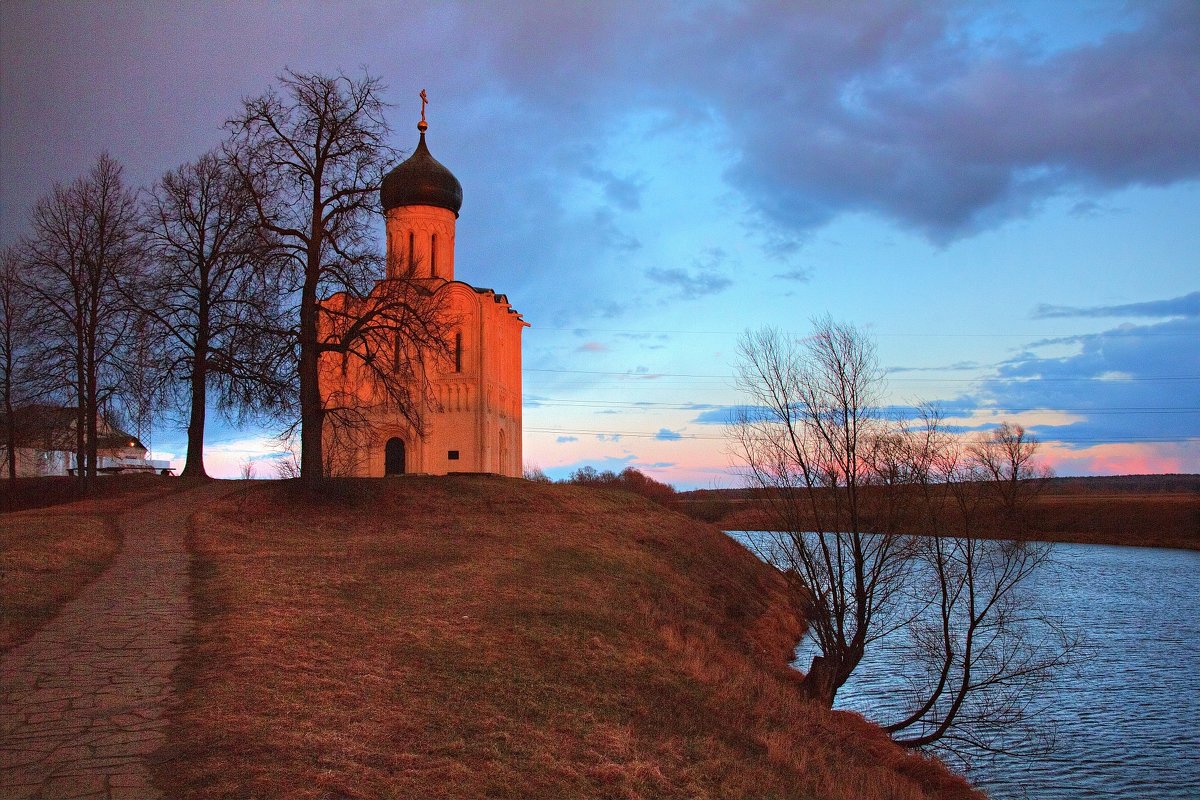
x: 1144, y: 520
x: 47, y: 555
x: 1145, y: 511
x: 486, y: 637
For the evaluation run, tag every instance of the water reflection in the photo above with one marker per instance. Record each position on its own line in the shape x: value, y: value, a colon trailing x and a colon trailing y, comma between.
x: 1126, y: 728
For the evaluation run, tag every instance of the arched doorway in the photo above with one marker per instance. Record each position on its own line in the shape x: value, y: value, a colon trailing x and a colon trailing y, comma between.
x: 393, y: 457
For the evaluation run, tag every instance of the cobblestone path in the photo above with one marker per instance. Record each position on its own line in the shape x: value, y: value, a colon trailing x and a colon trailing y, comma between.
x: 83, y: 702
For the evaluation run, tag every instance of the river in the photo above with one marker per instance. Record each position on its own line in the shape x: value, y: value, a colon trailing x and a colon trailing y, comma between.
x: 1129, y: 727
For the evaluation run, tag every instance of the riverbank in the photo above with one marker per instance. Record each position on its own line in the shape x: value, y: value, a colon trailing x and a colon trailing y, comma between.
x: 1133, y: 510
x: 474, y: 636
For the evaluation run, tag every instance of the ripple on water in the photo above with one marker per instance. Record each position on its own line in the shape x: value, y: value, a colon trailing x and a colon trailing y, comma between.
x: 1127, y: 727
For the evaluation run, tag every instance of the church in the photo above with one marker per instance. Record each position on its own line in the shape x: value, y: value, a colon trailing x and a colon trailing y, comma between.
x: 471, y: 412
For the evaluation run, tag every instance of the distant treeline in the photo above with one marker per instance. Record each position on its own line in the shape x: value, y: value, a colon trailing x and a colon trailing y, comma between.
x: 1141, y: 510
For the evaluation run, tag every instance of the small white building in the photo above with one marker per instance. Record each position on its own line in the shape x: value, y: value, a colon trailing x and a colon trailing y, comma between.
x: 45, y: 445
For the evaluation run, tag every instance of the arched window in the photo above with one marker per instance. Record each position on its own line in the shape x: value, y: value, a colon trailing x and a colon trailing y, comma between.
x: 412, y: 254
x: 433, y: 256
x: 458, y: 351
x: 503, y: 454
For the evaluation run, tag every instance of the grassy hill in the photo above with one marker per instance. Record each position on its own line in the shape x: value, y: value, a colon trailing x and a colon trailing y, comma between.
x: 487, y: 637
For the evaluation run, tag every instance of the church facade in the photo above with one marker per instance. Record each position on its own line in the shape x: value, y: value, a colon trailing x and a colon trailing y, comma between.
x: 470, y: 405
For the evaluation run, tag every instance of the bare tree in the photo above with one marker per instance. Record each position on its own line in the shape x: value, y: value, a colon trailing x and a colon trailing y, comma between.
x: 18, y: 357
x: 82, y: 253
x: 806, y: 441
x: 1004, y: 460
x: 849, y: 488
x: 313, y: 154
x: 986, y: 652
x: 212, y: 300
x: 381, y: 349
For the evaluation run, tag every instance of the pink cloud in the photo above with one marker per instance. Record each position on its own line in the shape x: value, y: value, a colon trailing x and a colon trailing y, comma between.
x: 1123, y: 459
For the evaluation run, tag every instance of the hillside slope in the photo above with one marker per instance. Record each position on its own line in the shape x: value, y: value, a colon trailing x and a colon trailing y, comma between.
x: 488, y: 637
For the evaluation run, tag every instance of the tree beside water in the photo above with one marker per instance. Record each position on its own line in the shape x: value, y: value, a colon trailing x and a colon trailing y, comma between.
x: 848, y: 485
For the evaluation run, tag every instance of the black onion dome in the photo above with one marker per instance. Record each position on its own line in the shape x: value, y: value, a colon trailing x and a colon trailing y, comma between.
x: 421, y: 181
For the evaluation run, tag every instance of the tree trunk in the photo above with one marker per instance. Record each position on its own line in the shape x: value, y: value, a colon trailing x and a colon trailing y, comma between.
x: 93, y: 426
x: 820, y: 684
x: 311, y: 411
x: 193, y: 467
x: 10, y: 442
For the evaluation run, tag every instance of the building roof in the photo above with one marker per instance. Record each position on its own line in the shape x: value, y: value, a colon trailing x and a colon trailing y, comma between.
x: 421, y: 180
x: 49, y: 427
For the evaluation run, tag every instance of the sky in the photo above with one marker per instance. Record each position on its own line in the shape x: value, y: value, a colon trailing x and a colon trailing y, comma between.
x: 1004, y: 195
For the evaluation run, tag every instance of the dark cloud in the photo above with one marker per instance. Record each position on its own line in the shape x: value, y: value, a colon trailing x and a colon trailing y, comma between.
x: 1126, y: 384
x: 704, y: 278
x: 920, y: 124
x: 689, y: 284
x: 623, y: 192
x: 1187, y: 305
x: 798, y: 275
x: 728, y: 415
x: 611, y: 234
x: 957, y: 366
x: 897, y: 107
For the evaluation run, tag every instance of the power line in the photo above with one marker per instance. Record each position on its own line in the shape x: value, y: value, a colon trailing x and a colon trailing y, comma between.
x: 634, y: 405
x: 1039, y: 379
x: 898, y: 334
x: 1045, y: 440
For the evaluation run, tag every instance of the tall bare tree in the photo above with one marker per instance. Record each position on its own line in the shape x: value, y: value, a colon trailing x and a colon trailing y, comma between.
x: 313, y: 153
x: 18, y: 357
x: 82, y: 253
x: 849, y: 489
x: 807, y: 439
x: 211, y: 295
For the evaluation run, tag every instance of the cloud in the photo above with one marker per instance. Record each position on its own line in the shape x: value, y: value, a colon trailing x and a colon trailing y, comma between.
x: 667, y: 435
x: 1130, y: 384
x: 957, y: 366
x: 728, y: 415
x: 1187, y: 305
x: 902, y: 110
x: 592, y: 347
x: 689, y: 285
x: 1122, y: 459
x: 704, y: 278
x: 565, y: 439
x: 944, y: 117
x: 624, y: 193
x: 798, y: 275
x: 608, y: 437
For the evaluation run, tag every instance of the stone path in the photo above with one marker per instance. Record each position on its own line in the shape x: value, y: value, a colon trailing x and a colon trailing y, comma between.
x: 83, y: 702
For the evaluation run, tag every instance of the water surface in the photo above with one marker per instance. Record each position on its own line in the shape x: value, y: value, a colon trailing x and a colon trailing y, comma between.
x: 1127, y: 728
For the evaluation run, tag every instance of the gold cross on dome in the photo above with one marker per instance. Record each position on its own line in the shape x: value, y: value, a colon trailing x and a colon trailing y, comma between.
x: 424, y: 102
